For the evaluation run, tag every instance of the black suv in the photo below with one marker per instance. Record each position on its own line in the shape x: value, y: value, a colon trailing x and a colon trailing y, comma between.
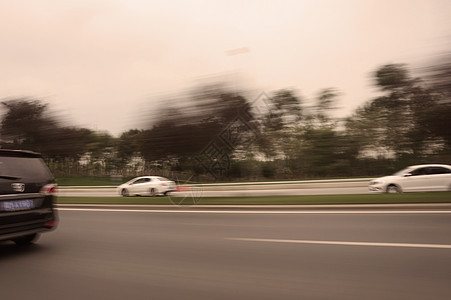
x: 27, y: 191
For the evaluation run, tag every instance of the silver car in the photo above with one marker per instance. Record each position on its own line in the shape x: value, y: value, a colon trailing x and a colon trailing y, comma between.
x: 146, y: 186
x: 420, y: 178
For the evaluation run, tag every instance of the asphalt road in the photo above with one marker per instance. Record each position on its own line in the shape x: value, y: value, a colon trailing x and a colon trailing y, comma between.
x: 363, y: 253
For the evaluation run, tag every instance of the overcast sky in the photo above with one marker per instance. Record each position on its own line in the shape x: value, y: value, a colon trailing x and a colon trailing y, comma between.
x: 103, y: 62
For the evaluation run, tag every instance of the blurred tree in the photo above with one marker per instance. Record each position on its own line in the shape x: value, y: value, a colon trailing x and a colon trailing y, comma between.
x: 437, y: 116
x: 366, y: 130
x: 27, y: 125
x: 280, y: 124
x: 183, y: 134
x: 129, y: 144
x: 321, y: 153
x: 316, y: 143
x: 101, y: 152
x: 440, y: 75
x: 437, y: 120
x: 285, y: 112
x: 306, y: 141
x: 67, y: 143
x: 404, y: 110
x: 326, y: 102
x: 395, y: 124
x: 392, y: 77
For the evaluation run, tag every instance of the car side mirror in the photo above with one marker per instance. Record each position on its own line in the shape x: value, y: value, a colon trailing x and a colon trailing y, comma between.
x: 407, y: 175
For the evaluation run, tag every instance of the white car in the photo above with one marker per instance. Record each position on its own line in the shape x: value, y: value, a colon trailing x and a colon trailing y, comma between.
x: 146, y: 186
x: 420, y: 178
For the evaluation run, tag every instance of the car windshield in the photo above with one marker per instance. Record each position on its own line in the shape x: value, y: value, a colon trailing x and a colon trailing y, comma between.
x: 23, y: 167
x: 403, y: 171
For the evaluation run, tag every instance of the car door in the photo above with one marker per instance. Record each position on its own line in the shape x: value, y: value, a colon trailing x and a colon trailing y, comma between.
x: 139, y: 186
x: 439, y: 178
x: 416, y: 181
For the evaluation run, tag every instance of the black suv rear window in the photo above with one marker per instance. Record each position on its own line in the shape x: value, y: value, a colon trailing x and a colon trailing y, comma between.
x: 24, y: 167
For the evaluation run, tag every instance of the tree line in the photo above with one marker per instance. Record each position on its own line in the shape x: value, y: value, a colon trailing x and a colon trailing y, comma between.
x: 220, y: 134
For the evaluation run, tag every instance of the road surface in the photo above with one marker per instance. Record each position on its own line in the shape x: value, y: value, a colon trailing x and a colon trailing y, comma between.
x: 190, y: 253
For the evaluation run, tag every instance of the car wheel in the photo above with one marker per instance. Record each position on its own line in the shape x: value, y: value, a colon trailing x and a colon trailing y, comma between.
x: 393, y: 189
x: 26, y: 240
x: 125, y: 193
x: 153, y: 192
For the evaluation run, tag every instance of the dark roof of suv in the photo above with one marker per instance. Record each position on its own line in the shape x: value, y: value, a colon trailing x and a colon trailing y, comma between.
x: 19, y: 153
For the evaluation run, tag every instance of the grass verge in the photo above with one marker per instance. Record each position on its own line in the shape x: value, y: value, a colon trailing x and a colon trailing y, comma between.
x: 435, y: 197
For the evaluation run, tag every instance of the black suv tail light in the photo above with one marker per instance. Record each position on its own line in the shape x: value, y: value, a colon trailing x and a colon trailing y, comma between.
x: 49, y: 189
x: 50, y: 224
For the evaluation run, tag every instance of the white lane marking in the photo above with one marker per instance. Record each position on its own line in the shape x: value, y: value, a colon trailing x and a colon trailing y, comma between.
x: 302, y: 206
x: 259, y: 211
x: 371, y: 244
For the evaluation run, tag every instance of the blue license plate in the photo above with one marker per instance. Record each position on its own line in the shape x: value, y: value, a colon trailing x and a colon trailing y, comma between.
x: 17, y: 205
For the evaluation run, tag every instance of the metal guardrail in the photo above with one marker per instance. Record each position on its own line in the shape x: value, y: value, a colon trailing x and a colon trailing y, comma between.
x: 358, y: 181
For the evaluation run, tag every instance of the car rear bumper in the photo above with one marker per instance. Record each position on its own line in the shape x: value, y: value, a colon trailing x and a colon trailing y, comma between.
x: 13, y: 225
x: 14, y: 235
